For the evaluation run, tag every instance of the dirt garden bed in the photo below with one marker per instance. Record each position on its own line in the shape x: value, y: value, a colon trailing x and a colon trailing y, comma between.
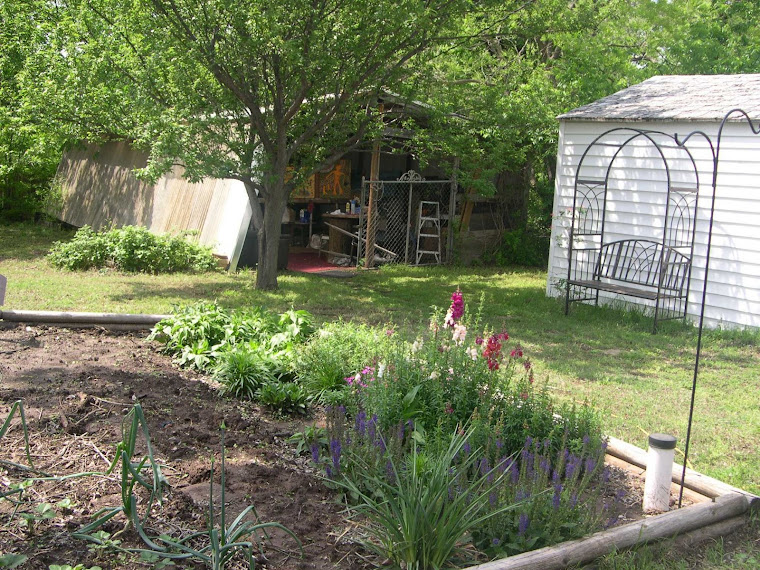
x: 77, y: 385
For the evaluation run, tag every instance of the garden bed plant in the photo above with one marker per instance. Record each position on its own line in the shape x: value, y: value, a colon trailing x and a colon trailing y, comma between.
x: 450, y: 426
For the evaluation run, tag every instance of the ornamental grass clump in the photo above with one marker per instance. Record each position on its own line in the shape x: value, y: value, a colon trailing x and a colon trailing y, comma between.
x: 419, y: 510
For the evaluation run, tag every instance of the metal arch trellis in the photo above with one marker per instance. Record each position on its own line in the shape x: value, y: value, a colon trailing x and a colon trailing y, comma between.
x: 396, y: 203
x: 715, y: 151
x: 591, y: 201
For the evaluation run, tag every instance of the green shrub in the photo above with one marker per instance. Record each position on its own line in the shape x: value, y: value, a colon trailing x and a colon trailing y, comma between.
x: 337, y: 351
x: 235, y: 346
x: 284, y: 397
x: 521, y: 247
x: 243, y: 370
x: 133, y: 249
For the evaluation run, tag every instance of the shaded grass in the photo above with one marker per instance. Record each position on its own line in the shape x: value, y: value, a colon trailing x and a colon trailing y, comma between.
x: 640, y: 382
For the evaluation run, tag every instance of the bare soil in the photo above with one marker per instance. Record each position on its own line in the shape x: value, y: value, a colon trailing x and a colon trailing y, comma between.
x: 77, y: 386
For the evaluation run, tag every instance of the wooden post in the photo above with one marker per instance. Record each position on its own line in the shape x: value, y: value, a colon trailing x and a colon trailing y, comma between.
x: 374, y: 175
x: 452, y: 211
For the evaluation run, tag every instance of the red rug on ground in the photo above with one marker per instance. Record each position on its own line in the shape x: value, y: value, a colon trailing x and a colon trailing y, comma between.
x: 308, y: 262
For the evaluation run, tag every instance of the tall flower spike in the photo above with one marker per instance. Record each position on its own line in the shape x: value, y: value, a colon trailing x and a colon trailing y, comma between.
x: 456, y: 310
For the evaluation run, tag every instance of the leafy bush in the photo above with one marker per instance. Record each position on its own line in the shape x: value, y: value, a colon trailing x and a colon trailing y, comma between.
x: 133, y: 249
x: 251, y: 353
x: 449, y: 379
x: 337, y: 351
x: 521, y: 247
x: 284, y: 397
x: 242, y: 371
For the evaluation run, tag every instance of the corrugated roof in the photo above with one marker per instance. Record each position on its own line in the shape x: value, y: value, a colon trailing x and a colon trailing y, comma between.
x: 676, y: 98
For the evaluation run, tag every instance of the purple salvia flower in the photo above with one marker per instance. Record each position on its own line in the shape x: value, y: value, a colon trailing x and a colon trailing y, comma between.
x: 545, y: 465
x: 573, y: 500
x: 483, y: 466
x: 557, y: 496
x: 555, y: 476
x: 495, y: 542
x: 315, y: 453
x: 572, y: 465
x: 530, y: 472
x: 606, y: 475
x: 514, y: 473
x: 335, y: 449
x: 342, y: 410
x: 466, y: 447
x: 390, y: 473
x: 522, y: 525
x: 492, y: 498
x: 499, y: 445
x: 328, y: 472
x: 380, y: 444
x: 547, y: 443
x: 361, y: 423
x: 590, y: 464
x: 528, y: 442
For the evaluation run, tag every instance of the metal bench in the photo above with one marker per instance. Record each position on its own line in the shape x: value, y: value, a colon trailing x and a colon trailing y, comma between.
x: 638, y: 268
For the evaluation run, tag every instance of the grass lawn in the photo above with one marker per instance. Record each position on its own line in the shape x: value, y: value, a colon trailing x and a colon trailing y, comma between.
x: 639, y: 382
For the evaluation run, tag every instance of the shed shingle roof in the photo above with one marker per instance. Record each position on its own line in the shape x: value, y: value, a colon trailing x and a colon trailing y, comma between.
x: 676, y: 98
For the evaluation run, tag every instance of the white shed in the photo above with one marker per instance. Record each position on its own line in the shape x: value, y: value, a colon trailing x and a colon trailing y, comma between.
x: 627, y: 145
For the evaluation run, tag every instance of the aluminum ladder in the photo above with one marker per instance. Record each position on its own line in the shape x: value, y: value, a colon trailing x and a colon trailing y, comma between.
x: 429, y: 230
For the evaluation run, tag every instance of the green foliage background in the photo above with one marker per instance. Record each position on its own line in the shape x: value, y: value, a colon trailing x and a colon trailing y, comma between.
x: 496, y: 75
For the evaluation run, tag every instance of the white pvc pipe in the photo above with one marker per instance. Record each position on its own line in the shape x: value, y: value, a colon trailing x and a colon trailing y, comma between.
x: 658, y: 476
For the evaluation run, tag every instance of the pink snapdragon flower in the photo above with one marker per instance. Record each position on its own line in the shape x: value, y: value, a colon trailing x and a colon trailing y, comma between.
x: 460, y: 332
x: 456, y: 310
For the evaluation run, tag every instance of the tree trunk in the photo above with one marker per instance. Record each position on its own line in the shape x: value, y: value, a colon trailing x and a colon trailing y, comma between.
x: 269, y: 239
x: 267, y: 226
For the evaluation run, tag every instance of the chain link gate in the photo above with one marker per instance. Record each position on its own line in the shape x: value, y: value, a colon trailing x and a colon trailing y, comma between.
x: 403, y: 214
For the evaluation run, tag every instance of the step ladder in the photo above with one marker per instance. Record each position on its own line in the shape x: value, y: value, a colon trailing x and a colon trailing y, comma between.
x: 429, y: 231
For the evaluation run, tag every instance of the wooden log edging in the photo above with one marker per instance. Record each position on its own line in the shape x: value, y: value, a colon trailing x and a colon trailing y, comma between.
x: 121, y: 321
x: 694, y: 481
x: 604, y: 542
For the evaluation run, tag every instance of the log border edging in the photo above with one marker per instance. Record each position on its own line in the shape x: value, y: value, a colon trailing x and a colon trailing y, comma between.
x: 122, y: 321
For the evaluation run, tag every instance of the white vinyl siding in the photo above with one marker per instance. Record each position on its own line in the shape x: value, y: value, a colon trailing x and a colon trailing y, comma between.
x: 636, y: 204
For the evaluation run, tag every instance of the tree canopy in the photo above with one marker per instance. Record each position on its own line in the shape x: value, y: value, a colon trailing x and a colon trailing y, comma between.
x: 262, y: 92
x: 268, y: 92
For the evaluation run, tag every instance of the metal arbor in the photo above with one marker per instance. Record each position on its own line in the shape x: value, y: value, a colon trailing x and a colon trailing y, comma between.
x: 632, y: 228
